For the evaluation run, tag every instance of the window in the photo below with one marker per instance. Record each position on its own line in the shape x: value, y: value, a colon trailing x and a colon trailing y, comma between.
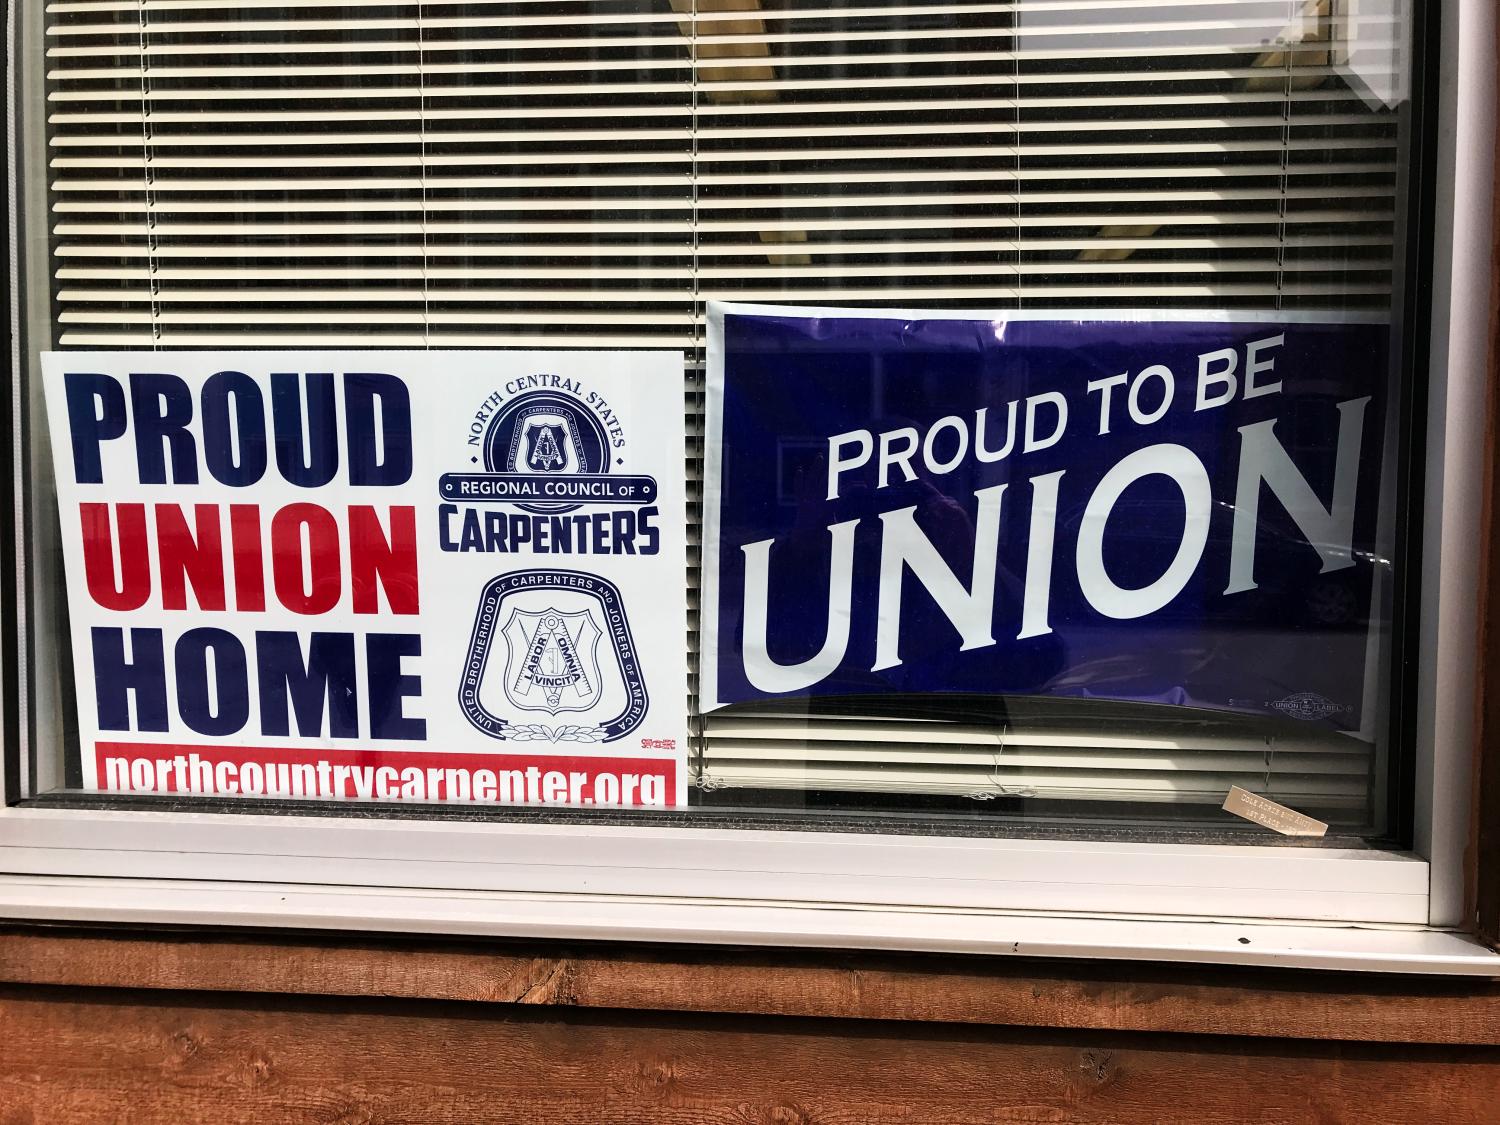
x: 591, y: 175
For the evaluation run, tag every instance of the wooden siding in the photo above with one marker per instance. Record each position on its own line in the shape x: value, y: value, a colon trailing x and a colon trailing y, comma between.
x: 139, y: 1057
x: 415, y: 1031
x: 1096, y: 995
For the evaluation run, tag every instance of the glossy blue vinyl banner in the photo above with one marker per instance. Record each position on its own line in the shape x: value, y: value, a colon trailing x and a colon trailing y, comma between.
x: 1169, y: 508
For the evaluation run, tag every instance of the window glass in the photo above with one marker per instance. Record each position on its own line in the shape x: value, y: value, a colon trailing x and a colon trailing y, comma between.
x: 590, y: 173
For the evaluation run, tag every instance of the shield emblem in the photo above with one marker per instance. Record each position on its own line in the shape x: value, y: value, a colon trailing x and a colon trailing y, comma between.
x: 545, y: 442
x: 567, y: 647
x: 551, y: 661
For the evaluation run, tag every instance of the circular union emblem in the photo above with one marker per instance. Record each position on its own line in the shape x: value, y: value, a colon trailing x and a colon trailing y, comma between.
x: 545, y: 434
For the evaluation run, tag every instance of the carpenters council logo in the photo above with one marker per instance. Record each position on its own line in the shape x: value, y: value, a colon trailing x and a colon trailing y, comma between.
x: 546, y: 444
x: 569, y: 670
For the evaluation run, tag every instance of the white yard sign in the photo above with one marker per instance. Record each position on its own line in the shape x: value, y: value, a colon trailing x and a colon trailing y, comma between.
x: 419, y: 576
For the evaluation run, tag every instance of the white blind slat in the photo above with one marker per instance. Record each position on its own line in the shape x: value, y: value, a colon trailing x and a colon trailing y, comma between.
x: 351, y: 186
x: 750, y: 203
x: 423, y: 114
x: 573, y: 159
x: 772, y: 86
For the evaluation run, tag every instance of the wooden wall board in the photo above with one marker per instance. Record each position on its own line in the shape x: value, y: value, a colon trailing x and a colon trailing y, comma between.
x: 1115, y: 996
x: 103, y: 1056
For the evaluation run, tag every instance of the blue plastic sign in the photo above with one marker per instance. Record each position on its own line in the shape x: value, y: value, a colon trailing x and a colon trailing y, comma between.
x: 1180, y: 508
x: 402, y: 576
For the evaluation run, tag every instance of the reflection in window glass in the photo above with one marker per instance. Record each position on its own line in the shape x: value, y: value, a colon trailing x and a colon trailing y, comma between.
x: 589, y: 173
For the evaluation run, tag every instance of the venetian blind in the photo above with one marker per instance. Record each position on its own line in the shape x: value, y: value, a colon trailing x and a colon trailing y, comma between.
x: 587, y: 173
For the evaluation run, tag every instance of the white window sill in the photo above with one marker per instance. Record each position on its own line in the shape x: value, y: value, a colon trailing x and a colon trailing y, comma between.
x: 587, y: 917
x: 706, y: 865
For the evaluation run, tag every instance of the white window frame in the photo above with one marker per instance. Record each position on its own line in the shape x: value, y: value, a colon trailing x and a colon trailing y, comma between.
x: 1312, y: 906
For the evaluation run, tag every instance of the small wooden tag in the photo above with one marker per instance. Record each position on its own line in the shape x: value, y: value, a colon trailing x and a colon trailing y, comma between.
x: 1278, y: 818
